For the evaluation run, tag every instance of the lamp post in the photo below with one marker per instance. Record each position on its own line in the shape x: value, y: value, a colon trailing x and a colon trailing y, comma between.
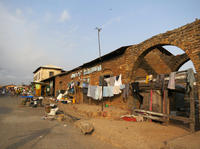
x: 99, y: 29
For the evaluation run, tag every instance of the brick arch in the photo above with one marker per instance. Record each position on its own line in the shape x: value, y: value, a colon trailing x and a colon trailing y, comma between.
x: 186, y: 38
x: 180, y: 61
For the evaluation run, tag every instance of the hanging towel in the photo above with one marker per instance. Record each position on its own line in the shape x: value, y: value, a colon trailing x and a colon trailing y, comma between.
x: 98, y: 93
x: 108, y: 91
x: 91, y: 91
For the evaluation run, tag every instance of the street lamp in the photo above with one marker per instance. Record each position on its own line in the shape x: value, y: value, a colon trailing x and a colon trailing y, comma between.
x: 99, y: 29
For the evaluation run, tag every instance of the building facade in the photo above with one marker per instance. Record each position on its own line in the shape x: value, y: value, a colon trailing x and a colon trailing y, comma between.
x: 45, y: 72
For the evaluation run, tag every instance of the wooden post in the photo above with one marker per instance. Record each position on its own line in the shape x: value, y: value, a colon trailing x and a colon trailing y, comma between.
x: 162, y: 101
x: 151, y: 95
x: 102, y: 93
x: 192, y: 111
x: 167, y: 110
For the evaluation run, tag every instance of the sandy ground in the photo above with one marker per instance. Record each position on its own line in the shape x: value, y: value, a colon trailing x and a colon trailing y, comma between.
x: 123, y: 134
x: 23, y: 128
x: 131, y: 135
x: 138, y: 135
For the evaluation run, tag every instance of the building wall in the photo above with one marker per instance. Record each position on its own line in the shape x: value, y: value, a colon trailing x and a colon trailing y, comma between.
x: 114, y: 67
x: 43, y: 73
x: 148, y: 57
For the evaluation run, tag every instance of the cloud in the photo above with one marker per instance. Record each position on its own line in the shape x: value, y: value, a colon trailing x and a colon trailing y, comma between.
x: 20, y: 51
x: 27, y: 43
x: 64, y: 16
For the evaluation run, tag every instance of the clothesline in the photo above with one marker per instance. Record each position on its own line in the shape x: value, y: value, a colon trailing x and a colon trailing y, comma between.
x: 114, y: 87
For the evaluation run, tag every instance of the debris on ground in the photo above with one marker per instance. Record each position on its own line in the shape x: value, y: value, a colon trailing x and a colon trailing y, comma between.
x: 132, y: 118
x: 85, y: 126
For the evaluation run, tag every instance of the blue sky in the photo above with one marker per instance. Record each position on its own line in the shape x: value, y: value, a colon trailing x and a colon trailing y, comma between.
x: 62, y: 32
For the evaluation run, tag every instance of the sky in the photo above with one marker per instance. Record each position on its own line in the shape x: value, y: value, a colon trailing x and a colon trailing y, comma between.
x: 62, y: 32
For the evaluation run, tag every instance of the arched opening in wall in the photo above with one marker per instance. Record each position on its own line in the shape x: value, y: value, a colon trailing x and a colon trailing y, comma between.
x: 164, y: 59
x: 185, y: 64
x: 180, y: 101
x: 161, y: 59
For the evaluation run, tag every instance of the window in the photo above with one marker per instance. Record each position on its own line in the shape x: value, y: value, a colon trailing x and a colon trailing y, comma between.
x: 51, y: 73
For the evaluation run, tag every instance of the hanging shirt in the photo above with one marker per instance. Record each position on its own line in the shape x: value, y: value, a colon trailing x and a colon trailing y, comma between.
x: 118, y: 81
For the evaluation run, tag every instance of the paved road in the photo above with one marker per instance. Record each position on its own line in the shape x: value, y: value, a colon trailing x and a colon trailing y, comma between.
x: 23, y: 128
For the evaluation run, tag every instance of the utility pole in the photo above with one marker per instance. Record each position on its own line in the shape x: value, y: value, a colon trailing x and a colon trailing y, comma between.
x: 99, y: 29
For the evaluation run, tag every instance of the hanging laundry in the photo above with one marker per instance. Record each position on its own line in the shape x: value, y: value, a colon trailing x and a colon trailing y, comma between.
x: 147, y: 79
x: 108, y: 91
x: 112, y: 81
x: 126, y: 91
x: 107, y: 81
x: 190, y: 79
x: 122, y: 86
x: 118, y: 81
x: 116, y: 90
x: 98, y: 93
x: 171, y: 84
x: 95, y: 92
x: 135, y: 92
x: 150, y: 77
x: 91, y: 91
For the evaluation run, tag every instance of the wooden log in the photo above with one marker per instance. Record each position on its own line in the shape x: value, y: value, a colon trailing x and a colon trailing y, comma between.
x: 180, y: 118
x: 154, y: 118
x: 150, y: 112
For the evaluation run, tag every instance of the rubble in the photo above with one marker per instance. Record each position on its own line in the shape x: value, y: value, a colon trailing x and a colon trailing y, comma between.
x: 85, y: 126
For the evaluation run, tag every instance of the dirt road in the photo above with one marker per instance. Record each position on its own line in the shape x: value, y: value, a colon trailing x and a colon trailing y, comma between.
x: 23, y: 128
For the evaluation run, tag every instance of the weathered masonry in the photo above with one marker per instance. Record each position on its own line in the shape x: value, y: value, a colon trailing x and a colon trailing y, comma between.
x: 146, y: 58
